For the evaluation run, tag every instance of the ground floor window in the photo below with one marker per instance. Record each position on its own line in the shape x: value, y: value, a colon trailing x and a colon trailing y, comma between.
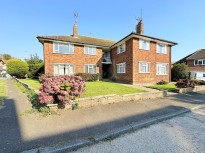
x: 63, y: 69
x: 144, y: 67
x: 121, y: 68
x: 162, y: 68
x: 88, y: 68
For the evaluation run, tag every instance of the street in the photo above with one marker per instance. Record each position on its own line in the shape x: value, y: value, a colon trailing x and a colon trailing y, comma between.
x: 182, y: 134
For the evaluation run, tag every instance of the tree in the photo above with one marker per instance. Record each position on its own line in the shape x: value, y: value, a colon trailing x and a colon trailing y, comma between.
x: 17, y: 67
x: 35, y: 65
x: 179, y: 71
x: 6, y: 57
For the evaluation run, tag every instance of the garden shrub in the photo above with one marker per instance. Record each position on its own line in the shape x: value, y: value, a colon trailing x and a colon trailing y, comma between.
x: 179, y: 71
x: 17, y: 67
x: 89, y: 76
x: 162, y: 82
x: 184, y: 83
x: 199, y: 82
x: 60, y: 89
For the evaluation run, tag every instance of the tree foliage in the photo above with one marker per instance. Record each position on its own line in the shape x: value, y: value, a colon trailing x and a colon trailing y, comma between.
x: 17, y: 67
x: 179, y: 71
x: 36, y: 66
x: 6, y: 57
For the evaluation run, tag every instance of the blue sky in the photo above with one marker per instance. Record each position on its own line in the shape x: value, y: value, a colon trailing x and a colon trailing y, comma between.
x: 21, y: 21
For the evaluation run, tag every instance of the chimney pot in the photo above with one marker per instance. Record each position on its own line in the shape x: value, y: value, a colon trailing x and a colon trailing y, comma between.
x: 140, y: 28
x: 75, y: 30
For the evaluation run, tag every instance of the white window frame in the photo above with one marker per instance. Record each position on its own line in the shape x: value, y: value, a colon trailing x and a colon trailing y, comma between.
x: 61, y: 64
x: 70, y: 46
x: 121, y: 48
x: 90, y: 50
x: 164, y: 48
x: 165, y: 65
x: 202, y: 60
x: 90, y: 66
x: 121, y: 67
x: 147, y: 64
x: 144, y: 44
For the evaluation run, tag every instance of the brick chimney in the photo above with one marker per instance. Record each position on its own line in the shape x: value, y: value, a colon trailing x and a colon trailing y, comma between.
x: 140, y: 28
x: 75, y: 30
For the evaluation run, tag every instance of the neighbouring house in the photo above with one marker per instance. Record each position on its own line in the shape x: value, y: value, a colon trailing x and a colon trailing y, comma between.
x: 137, y: 58
x: 2, y: 66
x: 196, y: 64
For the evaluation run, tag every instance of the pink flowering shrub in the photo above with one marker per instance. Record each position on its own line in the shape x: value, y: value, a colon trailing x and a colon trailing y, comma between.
x: 60, y: 89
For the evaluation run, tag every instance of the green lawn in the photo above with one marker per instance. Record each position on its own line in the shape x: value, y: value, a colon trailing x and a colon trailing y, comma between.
x: 3, y: 91
x: 94, y: 88
x: 34, y: 83
x: 105, y: 88
x: 169, y: 87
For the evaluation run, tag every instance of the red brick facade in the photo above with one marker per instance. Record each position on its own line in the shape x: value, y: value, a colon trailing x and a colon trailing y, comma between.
x: 78, y: 58
x: 132, y: 56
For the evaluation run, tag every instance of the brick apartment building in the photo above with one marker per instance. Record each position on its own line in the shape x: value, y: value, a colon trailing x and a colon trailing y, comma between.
x: 136, y: 58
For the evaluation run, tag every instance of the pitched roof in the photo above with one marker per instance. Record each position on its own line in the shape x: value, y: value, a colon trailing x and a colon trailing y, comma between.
x: 136, y: 35
x: 80, y: 39
x: 200, y: 54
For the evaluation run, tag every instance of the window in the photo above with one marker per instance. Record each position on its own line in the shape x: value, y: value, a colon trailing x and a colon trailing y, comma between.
x: 161, y: 48
x: 144, y: 67
x: 143, y: 44
x: 204, y: 75
x: 89, y: 50
x: 121, y: 48
x: 90, y: 68
x: 63, y: 48
x: 199, y: 62
x: 162, y: 68
x: 121, y: 68
x: 63, y: 69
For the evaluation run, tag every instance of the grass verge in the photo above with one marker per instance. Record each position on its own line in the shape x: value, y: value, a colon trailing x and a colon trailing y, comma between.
x: 3, y: 91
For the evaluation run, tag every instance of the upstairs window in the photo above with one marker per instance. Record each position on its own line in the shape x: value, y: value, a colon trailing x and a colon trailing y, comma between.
x: 161, y: 48
x: 121, y: 68
x: 199, y: 62
x: 89, y: 50
x: 63, y: 48
x: 88, y: 68
x: 121, y: 48
x: 144, y: 44
x: 162, y: 68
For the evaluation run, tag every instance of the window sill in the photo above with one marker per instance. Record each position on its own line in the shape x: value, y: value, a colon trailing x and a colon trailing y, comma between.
x: 144, y: 72
x: 121, y: 72
x: 162, y: 53
x: 162, y: 74
x: 120, y: 52
x: 64, y: 53
x: 144, y: 50
x: 90, y: 54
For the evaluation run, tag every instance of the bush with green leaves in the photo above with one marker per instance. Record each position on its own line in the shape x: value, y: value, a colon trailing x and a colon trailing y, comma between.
x: 179, y: 71
x: 162, y: 82
x: 36, y: 66
x: 89, y: 76
x: 17, y: 67
x: 60, y: 89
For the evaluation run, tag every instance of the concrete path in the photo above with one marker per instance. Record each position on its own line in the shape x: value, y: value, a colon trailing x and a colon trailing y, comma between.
x: 20, y: 133
x: 184, y: 134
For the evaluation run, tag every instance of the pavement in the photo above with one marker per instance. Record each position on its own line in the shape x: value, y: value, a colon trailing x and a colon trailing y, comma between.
x: 182, y: 134
x: 70, y: 130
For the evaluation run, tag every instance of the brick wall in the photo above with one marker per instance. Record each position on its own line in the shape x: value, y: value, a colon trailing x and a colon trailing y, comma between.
x: 132, y: 56
x: 193, y: 67
x: 127, y: 57
x: 78, y: 58
x: 149, y: 56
